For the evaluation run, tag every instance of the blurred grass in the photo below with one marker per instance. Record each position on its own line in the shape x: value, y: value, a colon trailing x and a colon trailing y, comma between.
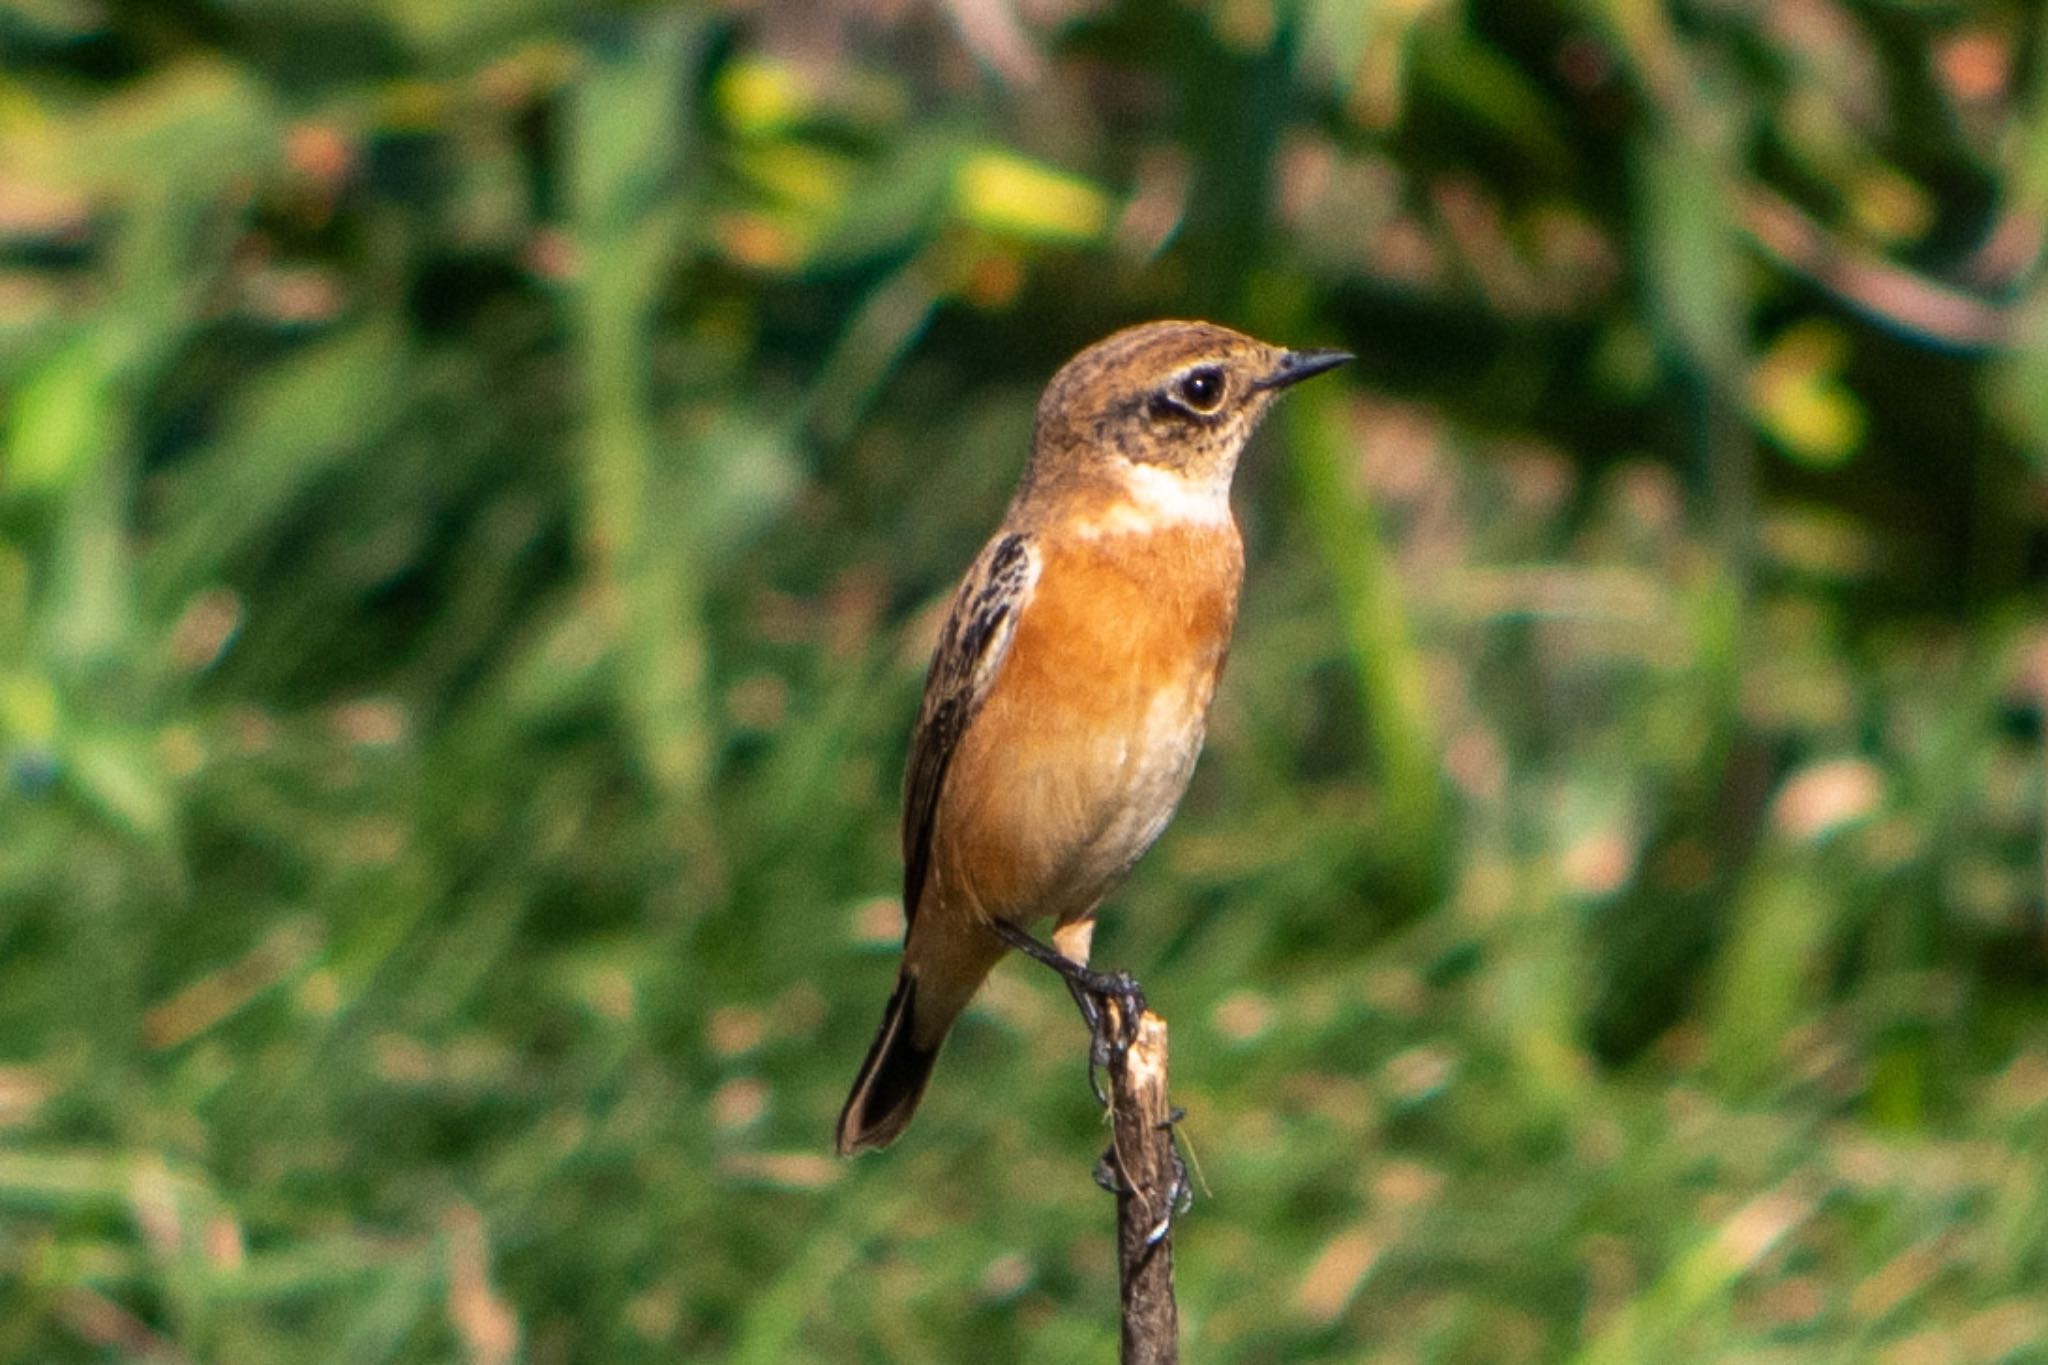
x: 476, y: 485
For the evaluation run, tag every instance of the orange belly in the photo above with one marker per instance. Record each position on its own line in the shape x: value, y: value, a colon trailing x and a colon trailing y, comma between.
x: 1089, y: 735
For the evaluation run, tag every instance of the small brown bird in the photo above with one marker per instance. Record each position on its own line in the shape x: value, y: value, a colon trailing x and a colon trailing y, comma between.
x: 1066, y: 699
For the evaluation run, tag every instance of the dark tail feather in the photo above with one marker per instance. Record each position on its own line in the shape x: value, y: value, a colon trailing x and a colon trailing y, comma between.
x: 891, y: 1080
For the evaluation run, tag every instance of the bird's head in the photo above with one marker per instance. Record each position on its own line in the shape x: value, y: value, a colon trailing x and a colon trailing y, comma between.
x: 1179, y: 397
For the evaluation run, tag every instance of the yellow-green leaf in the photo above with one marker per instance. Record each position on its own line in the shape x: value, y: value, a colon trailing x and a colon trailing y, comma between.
x: 760, y: 98
x: 61, y: 427
x: 1009, y: 195
x: 1799, y: 400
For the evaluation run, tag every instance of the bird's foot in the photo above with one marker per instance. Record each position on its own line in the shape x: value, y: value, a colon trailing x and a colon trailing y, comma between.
x: 1180, y: 1191
x: 1111, y: 1030
x: 1111, y: 1003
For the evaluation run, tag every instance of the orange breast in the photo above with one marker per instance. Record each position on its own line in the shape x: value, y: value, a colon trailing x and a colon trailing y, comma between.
x: 1090, y: 732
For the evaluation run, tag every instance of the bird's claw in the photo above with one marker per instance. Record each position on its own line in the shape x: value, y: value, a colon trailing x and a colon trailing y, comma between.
x: 1110, y: 1033
x: 1180, y: 1191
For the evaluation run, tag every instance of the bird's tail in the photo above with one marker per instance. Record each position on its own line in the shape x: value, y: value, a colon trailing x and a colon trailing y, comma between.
x: 891, y: 1080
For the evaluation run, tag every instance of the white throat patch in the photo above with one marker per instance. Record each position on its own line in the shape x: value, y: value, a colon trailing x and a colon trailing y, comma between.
x: 1159, y: 498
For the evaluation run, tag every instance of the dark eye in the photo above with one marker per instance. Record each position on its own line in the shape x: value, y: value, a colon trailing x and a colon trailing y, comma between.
x: 1202, y: 389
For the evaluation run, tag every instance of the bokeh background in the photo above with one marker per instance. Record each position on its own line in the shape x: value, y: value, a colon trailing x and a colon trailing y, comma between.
x: 476, y: 484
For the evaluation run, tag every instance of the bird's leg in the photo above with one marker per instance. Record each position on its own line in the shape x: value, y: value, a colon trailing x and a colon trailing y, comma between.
x: 1111, y: 1032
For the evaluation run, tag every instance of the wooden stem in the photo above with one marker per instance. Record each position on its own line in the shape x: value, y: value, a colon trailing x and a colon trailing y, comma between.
x: 1146, y: 1175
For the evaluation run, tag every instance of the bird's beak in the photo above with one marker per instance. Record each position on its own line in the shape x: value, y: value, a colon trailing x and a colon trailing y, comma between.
x: 1296, y: 366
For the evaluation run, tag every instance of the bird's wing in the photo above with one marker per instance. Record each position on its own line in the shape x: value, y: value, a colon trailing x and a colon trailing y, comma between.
x: 970, y: 654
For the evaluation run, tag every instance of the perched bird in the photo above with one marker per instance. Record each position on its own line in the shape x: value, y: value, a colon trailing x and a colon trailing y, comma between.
x: 1067, y: 696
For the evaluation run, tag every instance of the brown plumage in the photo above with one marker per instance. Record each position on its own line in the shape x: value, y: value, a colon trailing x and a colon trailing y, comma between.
x: 1065, y: 704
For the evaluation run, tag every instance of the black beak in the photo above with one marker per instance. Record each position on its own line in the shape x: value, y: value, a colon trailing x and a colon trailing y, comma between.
x: 1296, y: 366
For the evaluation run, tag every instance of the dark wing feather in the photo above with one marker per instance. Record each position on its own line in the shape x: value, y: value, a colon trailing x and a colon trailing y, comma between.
x: 969, y: 655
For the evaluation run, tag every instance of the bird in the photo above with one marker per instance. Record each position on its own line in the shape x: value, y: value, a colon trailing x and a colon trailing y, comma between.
x: 1069, y: 690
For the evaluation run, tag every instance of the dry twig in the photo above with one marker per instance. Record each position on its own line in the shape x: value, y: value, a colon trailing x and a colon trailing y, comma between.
x: 1146, y: 1174
x: 1142, y: 1166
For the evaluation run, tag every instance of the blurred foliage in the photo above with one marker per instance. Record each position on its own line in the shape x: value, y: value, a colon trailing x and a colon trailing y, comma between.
x: 476, y: 481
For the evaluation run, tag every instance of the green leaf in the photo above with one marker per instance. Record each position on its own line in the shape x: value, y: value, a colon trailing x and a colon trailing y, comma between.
x: 310, y: 413
x: 63, y: 1180
x: 1693, y: 264
x: 122, y: 779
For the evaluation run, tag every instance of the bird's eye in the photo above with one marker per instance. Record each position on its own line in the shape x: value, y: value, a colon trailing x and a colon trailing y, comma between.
x: 1202, y: 390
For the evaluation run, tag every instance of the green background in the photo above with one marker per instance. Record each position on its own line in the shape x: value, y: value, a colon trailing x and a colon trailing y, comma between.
x: 476, y: 485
